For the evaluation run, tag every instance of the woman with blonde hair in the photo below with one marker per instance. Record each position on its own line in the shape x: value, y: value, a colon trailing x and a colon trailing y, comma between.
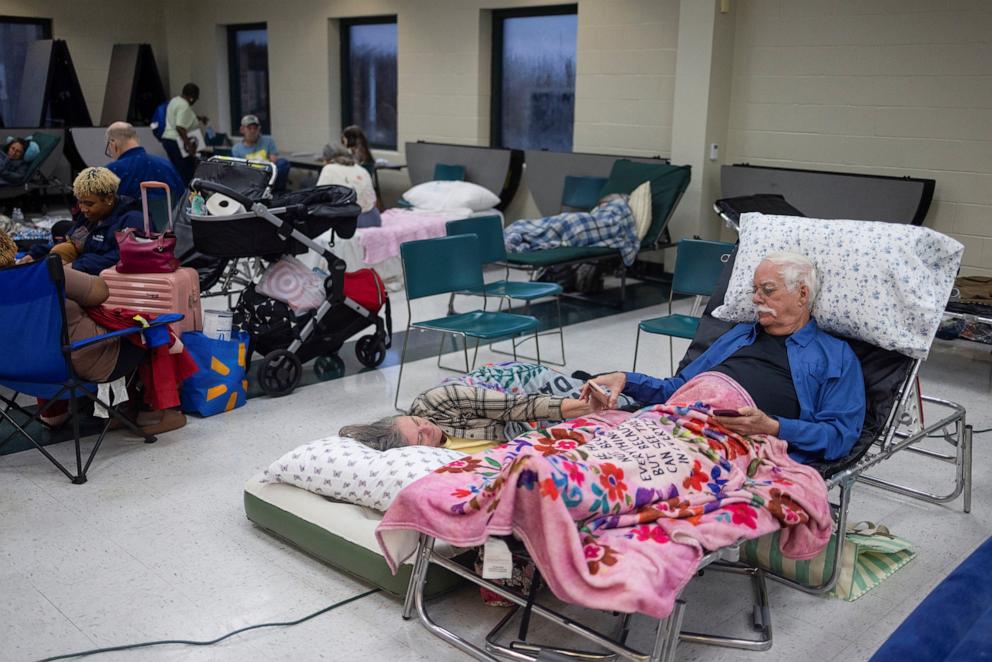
x: 91, y: 244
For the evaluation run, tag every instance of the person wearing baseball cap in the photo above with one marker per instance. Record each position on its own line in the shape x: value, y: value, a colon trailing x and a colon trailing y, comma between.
x: 256, y: 146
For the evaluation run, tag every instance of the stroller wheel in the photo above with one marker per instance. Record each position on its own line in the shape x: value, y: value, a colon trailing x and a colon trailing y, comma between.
x: 279, y: 373
x: 329, y: 367
x: 370, y: 350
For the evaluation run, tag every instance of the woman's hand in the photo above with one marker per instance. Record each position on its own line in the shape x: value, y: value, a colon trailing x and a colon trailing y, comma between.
x: 572, y: 408
x: 751, y: 421
x: 614, y: 382
x: 25, y: 259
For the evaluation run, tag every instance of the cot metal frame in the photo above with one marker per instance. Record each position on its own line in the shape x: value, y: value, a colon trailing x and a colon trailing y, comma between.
x: 904, y: 430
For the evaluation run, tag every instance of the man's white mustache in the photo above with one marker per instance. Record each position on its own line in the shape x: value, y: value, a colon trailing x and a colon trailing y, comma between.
x: 766, y: 309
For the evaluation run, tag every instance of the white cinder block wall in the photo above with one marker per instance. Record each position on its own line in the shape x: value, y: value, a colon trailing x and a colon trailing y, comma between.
x: 894, y: 87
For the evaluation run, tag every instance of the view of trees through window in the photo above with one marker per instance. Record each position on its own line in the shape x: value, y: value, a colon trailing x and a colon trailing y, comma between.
x: 15, y: 35
x: 534, y: 85
x: 369, y: 78
x: 248, y: 55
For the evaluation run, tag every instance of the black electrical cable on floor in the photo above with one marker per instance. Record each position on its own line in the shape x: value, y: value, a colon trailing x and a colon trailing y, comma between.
x: 146, y: 644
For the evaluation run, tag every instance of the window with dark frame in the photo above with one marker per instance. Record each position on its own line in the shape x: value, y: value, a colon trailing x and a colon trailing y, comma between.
x: 16, y: 33
x: 248, y: 62
x: 368, y: 78
x: 533, y: 77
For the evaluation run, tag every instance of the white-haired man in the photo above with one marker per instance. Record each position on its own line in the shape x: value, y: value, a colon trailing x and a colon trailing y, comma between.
x: 807, y: 385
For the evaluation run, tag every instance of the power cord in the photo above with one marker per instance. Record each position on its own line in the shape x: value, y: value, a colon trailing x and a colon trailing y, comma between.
x: 187, y: 642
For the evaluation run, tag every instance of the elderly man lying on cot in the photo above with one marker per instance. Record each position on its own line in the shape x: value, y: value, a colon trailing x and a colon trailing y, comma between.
x: 806, y: 385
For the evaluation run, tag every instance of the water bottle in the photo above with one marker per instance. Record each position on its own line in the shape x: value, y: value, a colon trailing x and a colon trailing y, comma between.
x: 197, y: 206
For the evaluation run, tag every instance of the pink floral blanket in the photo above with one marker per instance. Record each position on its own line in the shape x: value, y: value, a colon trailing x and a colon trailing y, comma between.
x: 617, y: 509
x: 399, y: 225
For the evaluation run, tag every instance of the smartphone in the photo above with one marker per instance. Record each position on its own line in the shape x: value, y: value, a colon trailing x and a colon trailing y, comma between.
x: 599, y: 392
x: 729, y: 413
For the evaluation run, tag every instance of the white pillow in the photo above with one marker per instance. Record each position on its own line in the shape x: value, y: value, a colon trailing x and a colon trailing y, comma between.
x: 640, y: 205
x: 449, y: 195
x: 348, y: 470
x: 884, y: 283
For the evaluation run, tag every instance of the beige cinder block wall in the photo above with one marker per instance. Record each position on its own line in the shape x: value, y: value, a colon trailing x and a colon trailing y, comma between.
x: 626, y: 63
x: 895, y: 88
x: 91, y: 29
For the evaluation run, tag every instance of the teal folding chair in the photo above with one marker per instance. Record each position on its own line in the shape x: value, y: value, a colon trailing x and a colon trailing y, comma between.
x: 697, y: 269
x: 452, y: 264
x: 492, y: 249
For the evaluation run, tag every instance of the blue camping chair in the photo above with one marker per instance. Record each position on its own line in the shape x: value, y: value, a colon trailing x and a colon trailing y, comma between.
x: 34, y: 335
x: 698, y: 264
x: 452, y: 264
x: 489, y: 230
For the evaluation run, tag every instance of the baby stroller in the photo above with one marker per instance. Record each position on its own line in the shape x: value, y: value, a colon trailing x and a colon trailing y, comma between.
x: 234, y: 225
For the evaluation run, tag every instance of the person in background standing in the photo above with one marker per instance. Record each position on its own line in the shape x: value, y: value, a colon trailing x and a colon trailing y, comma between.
x: 180, y: 121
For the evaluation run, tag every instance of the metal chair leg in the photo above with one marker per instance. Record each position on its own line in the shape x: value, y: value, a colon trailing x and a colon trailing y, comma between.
x: 671, y: 356
x: 399, y: 378
x: 637, y: 346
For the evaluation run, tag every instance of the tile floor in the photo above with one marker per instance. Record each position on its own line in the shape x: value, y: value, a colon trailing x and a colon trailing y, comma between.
x: 156, y: 544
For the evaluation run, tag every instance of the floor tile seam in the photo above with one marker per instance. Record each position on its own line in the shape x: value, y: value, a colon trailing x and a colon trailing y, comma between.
x: 62, y: 613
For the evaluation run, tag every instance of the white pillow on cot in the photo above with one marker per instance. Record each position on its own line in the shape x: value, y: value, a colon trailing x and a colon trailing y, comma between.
x: 348, y: 470
x: 884, y: 283
x: 451, y: 195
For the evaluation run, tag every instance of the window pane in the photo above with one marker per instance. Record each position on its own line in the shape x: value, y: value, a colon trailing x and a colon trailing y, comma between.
x: 14, y: 40
x: 250, y: 70
x: 372, y: 68
x: 538, y: 82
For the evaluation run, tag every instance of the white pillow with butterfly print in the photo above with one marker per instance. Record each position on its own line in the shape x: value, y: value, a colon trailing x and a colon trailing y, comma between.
x: 348, y: 470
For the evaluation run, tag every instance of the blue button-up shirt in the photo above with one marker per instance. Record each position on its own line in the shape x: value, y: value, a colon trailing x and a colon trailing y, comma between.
x: 828, y: 380
x: 136, y: 165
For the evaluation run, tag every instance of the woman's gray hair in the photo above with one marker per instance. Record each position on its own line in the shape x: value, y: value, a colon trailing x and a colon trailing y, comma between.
x: 795, y: 268
x: 337, y: 153
x: 381, y: 435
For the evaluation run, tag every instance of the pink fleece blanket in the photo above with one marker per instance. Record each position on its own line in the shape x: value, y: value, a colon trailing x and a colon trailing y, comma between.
x: 399, y: 225
x: 617, y: 509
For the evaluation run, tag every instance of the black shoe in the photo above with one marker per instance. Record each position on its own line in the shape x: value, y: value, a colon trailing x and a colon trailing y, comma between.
x: 581, y: 374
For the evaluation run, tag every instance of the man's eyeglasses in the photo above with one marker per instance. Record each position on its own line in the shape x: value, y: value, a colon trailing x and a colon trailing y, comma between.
x: 106, y: 150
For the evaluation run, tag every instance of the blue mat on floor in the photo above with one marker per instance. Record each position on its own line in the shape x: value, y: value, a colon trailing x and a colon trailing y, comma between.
x: 954, y: 622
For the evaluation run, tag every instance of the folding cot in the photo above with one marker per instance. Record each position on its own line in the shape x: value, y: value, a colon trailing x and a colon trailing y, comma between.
x: 545, y: 175
x: 891, y: 425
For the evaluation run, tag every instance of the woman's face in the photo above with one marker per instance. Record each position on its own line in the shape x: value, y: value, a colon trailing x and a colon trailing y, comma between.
x: 95, y: 207
x: 419, y: 431
x: 15, y: 152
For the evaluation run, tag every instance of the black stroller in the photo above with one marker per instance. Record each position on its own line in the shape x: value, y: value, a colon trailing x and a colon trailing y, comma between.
x: 288, y: 226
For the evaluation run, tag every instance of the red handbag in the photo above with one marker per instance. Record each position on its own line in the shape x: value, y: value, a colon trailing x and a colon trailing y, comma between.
x: 148, y: 252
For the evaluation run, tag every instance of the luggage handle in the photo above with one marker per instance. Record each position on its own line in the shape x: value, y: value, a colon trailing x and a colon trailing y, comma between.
x: 144, y: 204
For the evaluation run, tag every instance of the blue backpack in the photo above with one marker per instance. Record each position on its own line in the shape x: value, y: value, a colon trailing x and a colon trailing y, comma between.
x: 158, y: 119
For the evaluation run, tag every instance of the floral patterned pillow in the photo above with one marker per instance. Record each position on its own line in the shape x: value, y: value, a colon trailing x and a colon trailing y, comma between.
x: 884, y: 283
x: 348, y: 470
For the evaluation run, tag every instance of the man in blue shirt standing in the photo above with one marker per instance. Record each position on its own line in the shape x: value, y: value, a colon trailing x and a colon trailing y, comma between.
x: 807, y: 385
x: 258, y: 147
x: 134, y: 165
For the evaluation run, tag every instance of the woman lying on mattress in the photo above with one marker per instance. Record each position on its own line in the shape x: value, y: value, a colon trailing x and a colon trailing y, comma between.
x: 806, y: 385
x: 488, y: 406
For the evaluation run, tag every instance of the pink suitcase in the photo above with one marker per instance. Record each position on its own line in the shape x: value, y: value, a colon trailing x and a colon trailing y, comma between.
x: 178, y: 292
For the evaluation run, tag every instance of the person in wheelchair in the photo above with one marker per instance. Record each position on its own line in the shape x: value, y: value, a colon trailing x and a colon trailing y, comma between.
x: 806, y: 385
